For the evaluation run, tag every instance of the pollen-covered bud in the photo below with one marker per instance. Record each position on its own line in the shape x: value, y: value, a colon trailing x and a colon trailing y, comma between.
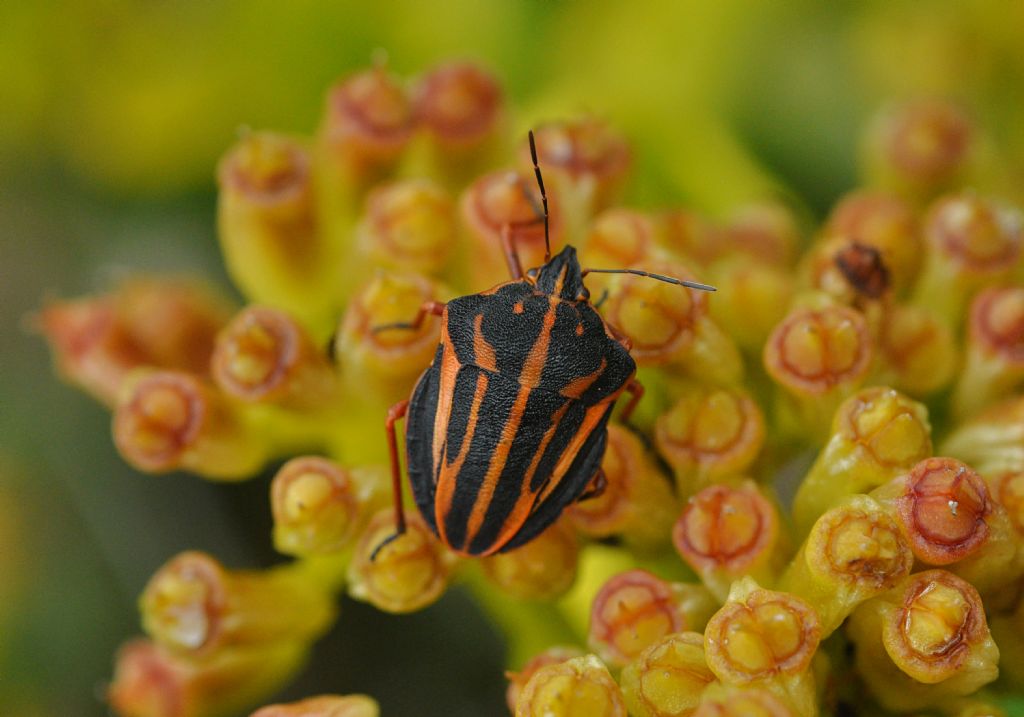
x: 854, y: 552
x: 507, y: 201
x: 376, y: 356
x: 324, y: 706
x: 586, y: 160
x: 407, y: 573
x: 409, y: 225
x: 551, y: 656
x: 972, y: 242
x: 766, y: 231
x: 727, y: 532
x: 730, y: 701
x: 994, y: 365
x: 168, y: 420
x: 635, y: 609
x: 148, y: 321
x: 542, y: 569
x: 819, y: 356
x: 266, y: 356
x: 578, y: 687
x: 923, y: 642
x: 766, y: 639
x: 710, y: 433
x: 669, y: 324
x: 918, y: 350
x: 637, y: 502
x: 368, y: 121
x: 460, y: 104
x: 850, y: 272
x: 877, y: 434
x: 318, y: 506
x: 667, y: 679
x: 151, y: 681
x: 920, y: 147
x: 886, y: 223
x: 195, y: 605
x: 267, y: 226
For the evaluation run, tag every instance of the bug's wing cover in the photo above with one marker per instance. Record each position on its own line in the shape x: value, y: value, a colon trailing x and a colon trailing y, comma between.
x: 568, y: 489
x: 419, y: 439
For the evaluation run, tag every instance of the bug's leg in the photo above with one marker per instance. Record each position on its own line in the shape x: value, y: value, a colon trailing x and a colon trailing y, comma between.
x: 429, y: 307
x: 603, y: 298
x: 635, y: 389
x: 515, y: 267
x: 395, y: 413
x: 596, y: 487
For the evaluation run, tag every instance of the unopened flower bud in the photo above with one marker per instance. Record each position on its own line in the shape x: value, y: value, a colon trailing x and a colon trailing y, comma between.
x: 919, y: 147
x: 151, y: 681
x: 918, y: 350
x: 318, y: 506
x: 727, y: 532
x: 368, y: 122
x: 667, y: 679
x: 195, y: 605
x: 406, y: 574
x: 994, y: 365
x: 972, y: 242
x: 266, y: 356
x: 753, y: 296
x: 324, y: 706
x: 460, y: 104
x: 148, y: 321
x: 766, y: 231
x: 542, y: 569
x: 991, y: 442
x: 169, y: 420
x: 885, y: 222
x: 854, y: 552
x: 730, y: 701
x: 690, y: 235
x: 923, y: 642
x: 635, y: 609
x: 762, y: 638
x: 268, y: 229
x: 517, y: 680
x: 386, y: 362
x: 619, y: 238
x: 586, y: 160
x: 637, y: 503
x: 877, y: 434
x: 409, y: 225
x: 710, y: 433
x: 819, y: 357
x: 579, y: 687
x: 507, y: 200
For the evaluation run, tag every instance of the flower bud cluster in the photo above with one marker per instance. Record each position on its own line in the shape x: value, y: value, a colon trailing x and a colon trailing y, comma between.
x: 772, y: 532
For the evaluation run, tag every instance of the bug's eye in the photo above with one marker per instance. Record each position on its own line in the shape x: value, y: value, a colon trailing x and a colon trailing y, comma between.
x: 584, y: 295
x: 531, y: 274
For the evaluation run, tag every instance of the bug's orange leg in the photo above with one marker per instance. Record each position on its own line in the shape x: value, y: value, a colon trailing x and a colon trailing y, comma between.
x: 635, y: 389
x: 596, y: 488
x: 515, y: 267
x: 429, y: 307
x: 395, y: 413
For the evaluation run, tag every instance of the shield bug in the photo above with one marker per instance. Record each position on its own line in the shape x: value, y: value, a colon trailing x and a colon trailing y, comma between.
x: 508, y: 425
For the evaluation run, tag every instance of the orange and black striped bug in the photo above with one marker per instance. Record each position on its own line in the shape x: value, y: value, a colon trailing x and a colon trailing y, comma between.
x: 508, y: 425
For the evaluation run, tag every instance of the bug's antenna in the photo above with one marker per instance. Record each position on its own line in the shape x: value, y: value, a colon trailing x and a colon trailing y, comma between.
x: 649, y: 275
x: 543, y: 197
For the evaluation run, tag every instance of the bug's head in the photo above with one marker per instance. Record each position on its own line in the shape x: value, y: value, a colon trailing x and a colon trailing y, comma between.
x: 561, y: 277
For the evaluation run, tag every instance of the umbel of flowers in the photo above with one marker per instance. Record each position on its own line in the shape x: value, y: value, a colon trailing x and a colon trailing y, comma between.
x: 819, y: 505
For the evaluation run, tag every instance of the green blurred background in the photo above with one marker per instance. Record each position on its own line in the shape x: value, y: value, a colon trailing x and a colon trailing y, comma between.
x: 113, y: 114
